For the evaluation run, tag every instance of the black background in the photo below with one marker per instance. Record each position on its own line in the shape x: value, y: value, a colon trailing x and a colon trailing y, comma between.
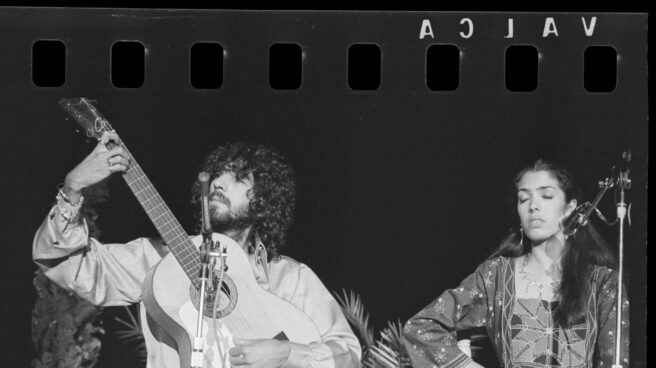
x: 402, y: 191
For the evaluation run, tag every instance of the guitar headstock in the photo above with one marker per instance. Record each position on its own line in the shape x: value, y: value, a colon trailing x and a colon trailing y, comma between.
x: 86, y: 114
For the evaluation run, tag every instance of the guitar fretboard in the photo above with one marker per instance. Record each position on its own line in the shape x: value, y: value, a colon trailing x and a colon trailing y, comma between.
x: 161, y: 216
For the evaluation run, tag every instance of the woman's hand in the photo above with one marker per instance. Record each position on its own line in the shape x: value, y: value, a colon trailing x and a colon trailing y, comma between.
x: 259, y: 353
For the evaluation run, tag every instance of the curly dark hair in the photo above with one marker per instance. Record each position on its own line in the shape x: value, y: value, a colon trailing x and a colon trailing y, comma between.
x: 585, y: 249
x: 273, y: 194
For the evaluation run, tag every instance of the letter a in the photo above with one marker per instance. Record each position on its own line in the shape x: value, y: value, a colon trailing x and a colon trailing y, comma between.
x: 549, y: 27
x: 589, y: 30
x: 426, y: 29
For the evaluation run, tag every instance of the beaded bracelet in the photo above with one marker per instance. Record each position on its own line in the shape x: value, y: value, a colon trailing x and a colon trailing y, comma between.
x: 63, y: 201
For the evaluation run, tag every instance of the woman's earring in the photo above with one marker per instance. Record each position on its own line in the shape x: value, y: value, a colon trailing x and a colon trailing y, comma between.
x: 521, y: 239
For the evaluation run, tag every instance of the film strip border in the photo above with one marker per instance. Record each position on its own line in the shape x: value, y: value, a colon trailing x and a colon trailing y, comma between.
x: 364, y: 70
x: 328, y: 51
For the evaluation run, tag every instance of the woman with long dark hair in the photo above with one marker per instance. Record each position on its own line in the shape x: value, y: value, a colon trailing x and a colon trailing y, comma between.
x: 546, y: 299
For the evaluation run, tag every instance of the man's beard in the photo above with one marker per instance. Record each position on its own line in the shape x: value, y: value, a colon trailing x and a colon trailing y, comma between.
x: 231, y: 220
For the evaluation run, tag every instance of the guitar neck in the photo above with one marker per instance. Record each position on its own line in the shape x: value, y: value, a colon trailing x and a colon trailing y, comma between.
x: 182, y: 248
x: 161, y: 216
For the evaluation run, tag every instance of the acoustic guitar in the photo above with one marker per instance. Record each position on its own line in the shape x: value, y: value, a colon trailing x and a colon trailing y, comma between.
x: 171, y: 288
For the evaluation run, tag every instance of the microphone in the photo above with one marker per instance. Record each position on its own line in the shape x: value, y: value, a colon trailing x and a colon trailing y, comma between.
x: 204, y: 180
x: 575, y: 220
x: 579, y: 217
x: 570, y: 224
x: 623, y: 180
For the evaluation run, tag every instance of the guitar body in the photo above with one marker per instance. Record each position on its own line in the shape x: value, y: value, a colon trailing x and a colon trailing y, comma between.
x: 256, y: 313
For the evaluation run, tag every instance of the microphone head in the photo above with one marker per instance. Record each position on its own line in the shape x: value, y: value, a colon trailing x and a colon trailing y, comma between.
x: 204, y: 179
x: 568, y: 225
x: 575, y: 220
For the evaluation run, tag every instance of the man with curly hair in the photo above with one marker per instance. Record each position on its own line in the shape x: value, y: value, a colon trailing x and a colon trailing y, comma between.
x: 252, y: 197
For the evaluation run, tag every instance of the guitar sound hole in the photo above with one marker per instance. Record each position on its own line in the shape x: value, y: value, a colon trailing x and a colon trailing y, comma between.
x: 227, y: 298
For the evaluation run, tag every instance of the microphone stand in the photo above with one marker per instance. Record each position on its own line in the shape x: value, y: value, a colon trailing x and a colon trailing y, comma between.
x: 208, y: 260
x: 580, y: 217
x: 623, y: 183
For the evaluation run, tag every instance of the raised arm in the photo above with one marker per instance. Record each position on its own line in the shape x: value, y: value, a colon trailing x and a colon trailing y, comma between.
x: 104, y: 274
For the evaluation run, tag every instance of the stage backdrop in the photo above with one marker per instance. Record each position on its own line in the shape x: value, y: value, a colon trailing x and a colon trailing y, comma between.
x: 403, y: 190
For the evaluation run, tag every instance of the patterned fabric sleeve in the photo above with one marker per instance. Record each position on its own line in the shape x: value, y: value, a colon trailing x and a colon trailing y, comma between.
x: 430, y: 336
x: 604, y: 355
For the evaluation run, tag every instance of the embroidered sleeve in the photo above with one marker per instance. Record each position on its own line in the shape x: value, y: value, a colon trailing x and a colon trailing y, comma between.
x: 430, y: 336
x: 606, y: 317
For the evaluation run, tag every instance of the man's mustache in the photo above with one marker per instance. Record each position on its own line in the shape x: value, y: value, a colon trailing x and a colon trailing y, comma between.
x: 218, y: 196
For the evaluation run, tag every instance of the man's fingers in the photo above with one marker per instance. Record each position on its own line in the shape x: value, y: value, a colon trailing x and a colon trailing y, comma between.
x: 238, y: 361
x: 118, y: 167
x: 118, y: 150
x: 238, y: 341
x: 237, y: 356
x: 109, y: 136
x: 117, y: 160
x: 115, y: 156
x: 236, y: 351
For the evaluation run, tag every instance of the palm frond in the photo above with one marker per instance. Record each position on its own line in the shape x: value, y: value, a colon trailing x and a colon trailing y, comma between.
x: 381, y: 355
x: 132, y: 333
x: 393, y: 335
x: 354, y: 311
x: 389, y: 351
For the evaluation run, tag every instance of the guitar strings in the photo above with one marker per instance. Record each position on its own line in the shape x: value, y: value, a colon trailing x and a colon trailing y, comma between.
x: 215, y: 329
x: 236, y: 318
